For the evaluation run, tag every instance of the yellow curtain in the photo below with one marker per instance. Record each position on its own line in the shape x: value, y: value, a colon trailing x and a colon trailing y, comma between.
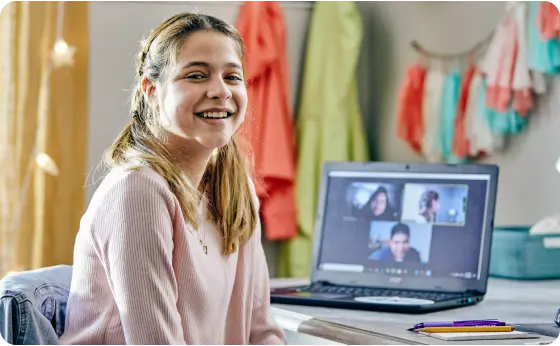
x: 43, y: 109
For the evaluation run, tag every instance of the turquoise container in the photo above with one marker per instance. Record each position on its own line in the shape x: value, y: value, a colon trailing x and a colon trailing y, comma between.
x: 516, y: 254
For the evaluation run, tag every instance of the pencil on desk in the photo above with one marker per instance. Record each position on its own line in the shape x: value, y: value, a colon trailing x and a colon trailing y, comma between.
x: 465, y: 329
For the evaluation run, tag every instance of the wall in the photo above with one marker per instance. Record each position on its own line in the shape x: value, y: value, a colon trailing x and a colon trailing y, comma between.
x: 528, y: 186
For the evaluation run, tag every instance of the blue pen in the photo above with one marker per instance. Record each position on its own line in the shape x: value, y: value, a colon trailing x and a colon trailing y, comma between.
x: 471, y: 323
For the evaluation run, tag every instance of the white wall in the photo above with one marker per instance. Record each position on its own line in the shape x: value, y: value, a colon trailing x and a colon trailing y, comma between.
x: 528, y: 188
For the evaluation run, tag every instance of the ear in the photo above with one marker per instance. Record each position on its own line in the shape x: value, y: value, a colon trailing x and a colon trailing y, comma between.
x: 148, y: 88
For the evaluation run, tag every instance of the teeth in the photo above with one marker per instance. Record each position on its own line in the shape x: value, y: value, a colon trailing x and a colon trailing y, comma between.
x: 214, y: 114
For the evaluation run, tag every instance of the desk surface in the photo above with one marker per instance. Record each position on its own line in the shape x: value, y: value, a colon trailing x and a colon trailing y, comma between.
x: 517, y: 302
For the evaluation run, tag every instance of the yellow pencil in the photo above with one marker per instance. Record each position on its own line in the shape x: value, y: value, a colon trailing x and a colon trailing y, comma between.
x: 465, y: 329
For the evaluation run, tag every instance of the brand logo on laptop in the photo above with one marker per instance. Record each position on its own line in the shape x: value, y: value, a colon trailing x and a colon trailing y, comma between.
x: 395, y: 280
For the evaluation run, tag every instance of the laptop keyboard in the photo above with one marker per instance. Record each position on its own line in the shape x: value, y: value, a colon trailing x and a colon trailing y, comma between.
x: 361, y: 291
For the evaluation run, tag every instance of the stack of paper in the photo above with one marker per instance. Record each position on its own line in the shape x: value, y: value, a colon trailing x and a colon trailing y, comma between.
x: 470, y: 330
x: 482, y: 336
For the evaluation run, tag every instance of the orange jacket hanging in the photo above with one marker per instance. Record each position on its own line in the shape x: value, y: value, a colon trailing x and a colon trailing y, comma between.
x: 269, y: 122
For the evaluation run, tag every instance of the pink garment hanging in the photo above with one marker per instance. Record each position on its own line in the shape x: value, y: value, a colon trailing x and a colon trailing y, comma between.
x: 410, y: 125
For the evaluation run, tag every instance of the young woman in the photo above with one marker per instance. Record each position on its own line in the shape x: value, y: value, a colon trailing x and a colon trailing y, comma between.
x: 378, y: 207
x: 169, y: 249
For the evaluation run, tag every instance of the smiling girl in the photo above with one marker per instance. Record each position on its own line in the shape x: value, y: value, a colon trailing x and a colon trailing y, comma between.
x: 169, y: 249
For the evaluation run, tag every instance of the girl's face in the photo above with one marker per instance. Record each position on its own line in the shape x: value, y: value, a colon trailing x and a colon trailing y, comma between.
x: 204, y: 98
x: 379, y: 204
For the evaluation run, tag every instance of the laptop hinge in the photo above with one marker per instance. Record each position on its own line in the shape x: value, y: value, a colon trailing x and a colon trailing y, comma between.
x: 474, y: 292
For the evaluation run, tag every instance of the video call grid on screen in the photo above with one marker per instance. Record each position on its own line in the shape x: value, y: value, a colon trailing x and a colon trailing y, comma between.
x: 427, y: 224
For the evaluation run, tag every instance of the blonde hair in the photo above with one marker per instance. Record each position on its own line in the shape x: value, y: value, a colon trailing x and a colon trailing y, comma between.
x: 232, y: 208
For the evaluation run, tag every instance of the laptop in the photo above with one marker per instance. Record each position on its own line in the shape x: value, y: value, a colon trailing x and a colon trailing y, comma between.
x: 399, y: 237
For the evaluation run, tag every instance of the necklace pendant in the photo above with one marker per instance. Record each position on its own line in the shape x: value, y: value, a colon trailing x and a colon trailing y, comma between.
x: 205, y: 248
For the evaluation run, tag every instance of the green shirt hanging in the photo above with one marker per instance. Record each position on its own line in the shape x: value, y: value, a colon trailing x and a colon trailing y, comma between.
x: 329, y: 124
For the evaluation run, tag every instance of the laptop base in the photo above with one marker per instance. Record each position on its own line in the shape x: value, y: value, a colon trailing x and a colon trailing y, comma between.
x: 404, y: 303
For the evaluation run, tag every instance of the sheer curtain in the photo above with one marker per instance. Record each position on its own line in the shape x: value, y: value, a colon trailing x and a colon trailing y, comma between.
x: 43, y: 109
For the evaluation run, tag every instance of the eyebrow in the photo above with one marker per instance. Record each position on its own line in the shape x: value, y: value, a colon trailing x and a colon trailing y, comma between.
x: 205, y: 64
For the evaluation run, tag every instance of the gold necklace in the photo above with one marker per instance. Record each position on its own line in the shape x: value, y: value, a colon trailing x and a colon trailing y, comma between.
x: 201, y: 214
x: 202, y: 242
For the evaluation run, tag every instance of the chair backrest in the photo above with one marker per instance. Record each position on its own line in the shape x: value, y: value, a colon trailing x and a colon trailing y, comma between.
x: 33, y: 305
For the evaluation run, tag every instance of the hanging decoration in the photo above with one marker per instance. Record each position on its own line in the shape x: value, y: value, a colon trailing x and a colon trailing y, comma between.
x: 463, y: 106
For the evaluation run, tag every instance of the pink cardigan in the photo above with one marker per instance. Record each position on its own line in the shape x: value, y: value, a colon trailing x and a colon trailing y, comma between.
x: 141, y: 276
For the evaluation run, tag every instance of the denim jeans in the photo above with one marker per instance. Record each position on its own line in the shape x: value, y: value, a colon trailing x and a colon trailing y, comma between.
x: 33, y: 305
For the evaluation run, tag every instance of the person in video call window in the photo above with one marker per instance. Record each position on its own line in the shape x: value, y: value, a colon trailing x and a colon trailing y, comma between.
x: 429, y: 206
x: 399, y: 249
x: 378, y: 207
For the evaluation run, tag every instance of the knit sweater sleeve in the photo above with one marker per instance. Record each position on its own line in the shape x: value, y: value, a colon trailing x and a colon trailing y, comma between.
x: 134, y: 237
x: 264, y: 330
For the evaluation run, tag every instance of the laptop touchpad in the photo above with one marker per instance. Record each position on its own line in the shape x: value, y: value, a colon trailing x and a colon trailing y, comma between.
x: 393, y: 300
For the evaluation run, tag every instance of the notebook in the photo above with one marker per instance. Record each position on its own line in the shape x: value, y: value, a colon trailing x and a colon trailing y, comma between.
x: 482, y: 336
x: 400, y: 237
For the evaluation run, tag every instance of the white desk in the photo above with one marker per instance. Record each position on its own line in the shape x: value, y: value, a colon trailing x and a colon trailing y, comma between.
x: 516, y: 302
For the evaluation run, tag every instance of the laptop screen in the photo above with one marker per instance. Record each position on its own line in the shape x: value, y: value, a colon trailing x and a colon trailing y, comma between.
x: 412, y: 226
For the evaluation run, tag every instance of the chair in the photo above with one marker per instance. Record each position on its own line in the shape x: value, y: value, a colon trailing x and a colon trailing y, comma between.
x: 33, y: 305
